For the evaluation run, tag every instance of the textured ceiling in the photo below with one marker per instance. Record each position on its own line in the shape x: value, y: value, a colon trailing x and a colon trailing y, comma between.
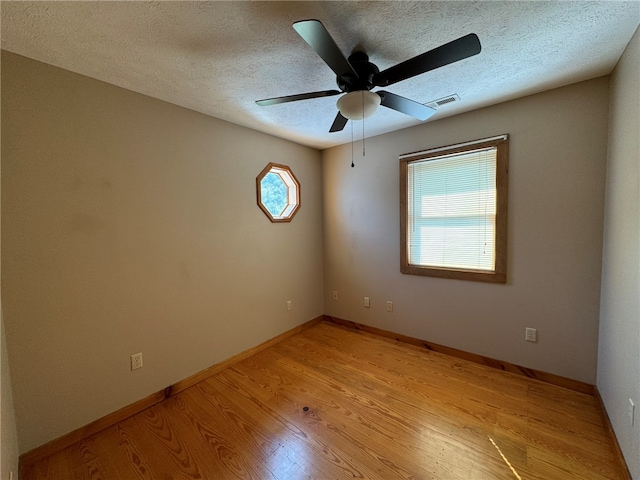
x: 219, y: 57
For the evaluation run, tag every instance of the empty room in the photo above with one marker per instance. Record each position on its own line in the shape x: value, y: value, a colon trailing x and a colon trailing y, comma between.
x: 320, y: 240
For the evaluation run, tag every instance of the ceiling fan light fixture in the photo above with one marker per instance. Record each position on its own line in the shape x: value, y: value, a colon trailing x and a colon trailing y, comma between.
x: 358, y: 105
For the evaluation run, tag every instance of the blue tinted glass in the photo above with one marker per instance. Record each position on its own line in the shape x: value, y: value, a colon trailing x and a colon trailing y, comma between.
x: 273, y: 192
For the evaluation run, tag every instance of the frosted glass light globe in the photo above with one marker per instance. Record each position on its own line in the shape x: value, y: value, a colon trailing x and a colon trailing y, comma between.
x: 353, y: 104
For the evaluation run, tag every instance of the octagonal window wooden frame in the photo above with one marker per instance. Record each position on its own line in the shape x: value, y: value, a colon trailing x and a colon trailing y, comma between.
x: 293, y: 192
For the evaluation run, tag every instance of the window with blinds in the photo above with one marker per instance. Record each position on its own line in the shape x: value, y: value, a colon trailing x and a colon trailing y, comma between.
x: 454, y: 211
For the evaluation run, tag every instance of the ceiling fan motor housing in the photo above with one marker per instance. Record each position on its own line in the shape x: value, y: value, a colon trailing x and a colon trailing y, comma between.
x: 365, y: 70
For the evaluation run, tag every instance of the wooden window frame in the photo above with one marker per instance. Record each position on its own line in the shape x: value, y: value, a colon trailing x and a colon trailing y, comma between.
x: 292, y: 183
x: 499, y: 274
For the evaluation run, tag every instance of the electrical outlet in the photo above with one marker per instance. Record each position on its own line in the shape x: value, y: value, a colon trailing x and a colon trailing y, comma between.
x: 631, y: 412
x: 531, y: 335
x: 335, y: 295
x: 136, y: 361
x: 289, y: 305
x: 389, y: 306
x: 366, y: 302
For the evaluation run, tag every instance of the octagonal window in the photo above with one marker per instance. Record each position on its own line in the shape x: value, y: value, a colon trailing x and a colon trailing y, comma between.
x: 278, y: 192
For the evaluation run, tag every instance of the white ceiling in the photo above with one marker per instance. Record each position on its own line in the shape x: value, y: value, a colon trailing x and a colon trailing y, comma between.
x: 219, y: 57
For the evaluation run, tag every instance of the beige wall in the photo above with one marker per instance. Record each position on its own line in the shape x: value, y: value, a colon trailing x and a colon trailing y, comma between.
x: 619, y: 348
x: 556, y: 191
x: 8, y: 434
x: 131, y: 225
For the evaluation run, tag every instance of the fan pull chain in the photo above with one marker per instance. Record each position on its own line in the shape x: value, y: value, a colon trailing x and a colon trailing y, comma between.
x: 362, y: 95
x: 352, y: 164
x: 363, y: 153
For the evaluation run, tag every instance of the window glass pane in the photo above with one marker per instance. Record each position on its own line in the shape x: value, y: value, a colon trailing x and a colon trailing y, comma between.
x: 274, y: 193
x: 452, y: 211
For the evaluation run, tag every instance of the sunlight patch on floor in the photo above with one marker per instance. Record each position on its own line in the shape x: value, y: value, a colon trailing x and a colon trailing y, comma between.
x: 505, y: 459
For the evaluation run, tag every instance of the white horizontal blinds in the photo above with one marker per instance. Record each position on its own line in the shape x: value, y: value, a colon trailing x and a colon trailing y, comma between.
x: 452, y: 210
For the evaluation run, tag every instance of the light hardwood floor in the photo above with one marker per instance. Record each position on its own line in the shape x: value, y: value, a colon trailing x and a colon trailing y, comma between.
x: 377, y: 409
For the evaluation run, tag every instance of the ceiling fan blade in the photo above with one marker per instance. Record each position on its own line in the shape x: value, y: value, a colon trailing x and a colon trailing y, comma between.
x: 406, y: 106
x: 451, y: 52
x: 339, y: 123
x: 314, y: 33
x: 295, y: 98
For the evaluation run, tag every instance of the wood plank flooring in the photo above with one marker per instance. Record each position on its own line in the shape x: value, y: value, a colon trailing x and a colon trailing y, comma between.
x: 377, y: 409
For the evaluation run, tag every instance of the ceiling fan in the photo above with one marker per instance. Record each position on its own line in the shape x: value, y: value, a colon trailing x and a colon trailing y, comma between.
x: 356, y: 76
